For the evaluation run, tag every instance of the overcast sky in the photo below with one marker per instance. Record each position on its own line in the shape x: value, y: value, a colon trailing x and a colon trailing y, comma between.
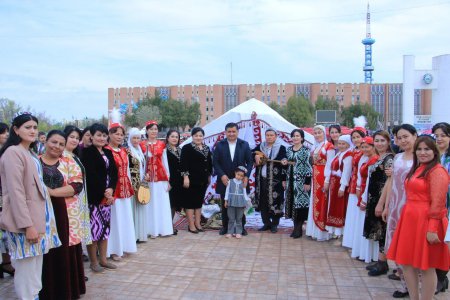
x: 61, y: 56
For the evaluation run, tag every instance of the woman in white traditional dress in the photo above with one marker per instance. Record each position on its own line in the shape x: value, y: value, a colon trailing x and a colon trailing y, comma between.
x: 323, y: 155
x: 122, y: 238
x: 157, y: 174
x: 136, y: 160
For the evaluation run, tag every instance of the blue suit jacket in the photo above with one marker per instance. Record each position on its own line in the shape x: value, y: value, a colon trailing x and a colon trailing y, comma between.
x: 223, y: 165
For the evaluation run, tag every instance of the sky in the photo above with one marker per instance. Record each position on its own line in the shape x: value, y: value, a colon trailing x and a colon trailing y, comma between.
x: 60, y: 57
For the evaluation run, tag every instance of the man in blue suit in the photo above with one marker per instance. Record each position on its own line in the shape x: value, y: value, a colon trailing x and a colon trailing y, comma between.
x: 228, y: 155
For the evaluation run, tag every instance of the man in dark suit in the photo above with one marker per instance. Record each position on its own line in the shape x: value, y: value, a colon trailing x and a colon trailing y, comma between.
x: 228, y: 155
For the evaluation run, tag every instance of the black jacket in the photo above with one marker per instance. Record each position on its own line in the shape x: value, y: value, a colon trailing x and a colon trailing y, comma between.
x: 198, y: 166
x: 223, y: 165
x: 96, y: 173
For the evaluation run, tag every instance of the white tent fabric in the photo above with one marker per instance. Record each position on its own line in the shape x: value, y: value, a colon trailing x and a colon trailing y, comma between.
x: 251, y: 110
x: 253, y: 118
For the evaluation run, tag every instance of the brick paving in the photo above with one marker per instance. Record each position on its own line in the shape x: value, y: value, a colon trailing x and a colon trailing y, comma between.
x: 259, y: 266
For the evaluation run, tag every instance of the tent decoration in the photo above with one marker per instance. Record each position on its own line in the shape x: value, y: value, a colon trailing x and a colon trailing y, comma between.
x: 253, y: 117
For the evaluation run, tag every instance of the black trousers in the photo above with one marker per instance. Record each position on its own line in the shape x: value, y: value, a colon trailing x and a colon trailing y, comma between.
x: 225, y: 214
x: 267, y: 218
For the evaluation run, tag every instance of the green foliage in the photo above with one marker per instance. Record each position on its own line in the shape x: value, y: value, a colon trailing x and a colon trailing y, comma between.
x: 323, y: 103
x: 8, y: 109
x: 356, y: 110
x: 169, y: 113
x: 299, y: 111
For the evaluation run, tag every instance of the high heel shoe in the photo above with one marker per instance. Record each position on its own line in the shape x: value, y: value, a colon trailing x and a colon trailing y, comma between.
x: 3, y: 270
x: 192, y: 231
x: 199, y: 229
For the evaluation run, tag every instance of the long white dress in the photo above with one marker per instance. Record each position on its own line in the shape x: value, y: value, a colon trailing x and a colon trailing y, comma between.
x: 362, y: 249
x: 122, y: 236
x: 159, y: 214
x: 311, y: 228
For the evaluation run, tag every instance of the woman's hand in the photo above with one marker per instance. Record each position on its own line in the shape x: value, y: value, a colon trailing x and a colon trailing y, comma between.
x: 326, y: 186
x: 433, y: 238
x: 186, y: 182
x: 32, y: 235
x: 340, y: 193
x: 306, y: 187
x: 147, y: 177
x: 362, y: 206
x: 384, y: 215
x: 358, y: 193
x: 284, y: 162
x: 108, y: 193
x: 379, y: 210
x: 169, y: 187
x: 388, y: 172
x: 225, y: 204
x: 284, y: 184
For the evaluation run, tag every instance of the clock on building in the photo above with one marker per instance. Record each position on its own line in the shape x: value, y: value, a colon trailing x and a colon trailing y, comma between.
x: 427, y: 78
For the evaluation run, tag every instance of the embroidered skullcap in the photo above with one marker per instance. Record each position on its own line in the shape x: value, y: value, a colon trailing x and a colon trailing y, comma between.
x: 242, y: 168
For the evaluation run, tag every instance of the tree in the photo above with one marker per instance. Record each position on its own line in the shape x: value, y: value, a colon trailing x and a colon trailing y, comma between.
x: 356, y: 110
x: 8, y: 109
x: 299, y: 111
x: 145, y: 113
x: 278, y: 108
x: 169, y: 113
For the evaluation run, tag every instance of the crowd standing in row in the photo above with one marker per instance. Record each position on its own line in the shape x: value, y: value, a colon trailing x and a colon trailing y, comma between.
x: 79, y: 188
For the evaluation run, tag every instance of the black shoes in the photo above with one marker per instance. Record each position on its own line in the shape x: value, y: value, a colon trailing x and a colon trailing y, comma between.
x: 442, y: 285
x: 274, y: 228
x: 192, y: 231
x: 244, y: 232
x: 398, y: 294
x: 223, y: 231
x: 264, y: 228
x: 394, y: 276
x: 371, y: 266
x: 380, y: 269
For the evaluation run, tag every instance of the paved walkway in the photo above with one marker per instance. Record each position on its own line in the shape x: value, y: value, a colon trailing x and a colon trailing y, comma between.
x: 260, y: 266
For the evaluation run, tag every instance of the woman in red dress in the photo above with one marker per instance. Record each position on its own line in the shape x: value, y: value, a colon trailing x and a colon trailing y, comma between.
x: 322, y: 156
x: 418, y: 240
x: 339, y: 179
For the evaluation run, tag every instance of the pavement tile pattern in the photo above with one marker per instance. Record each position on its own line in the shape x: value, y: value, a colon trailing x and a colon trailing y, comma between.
x: 259, y: 266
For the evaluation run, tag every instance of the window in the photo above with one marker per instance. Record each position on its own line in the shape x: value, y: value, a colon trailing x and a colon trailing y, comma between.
x: 212, y: 108
x: 212, y: 99
x: 207, y: 99
x: 207, y: 118
x: 207, y: 108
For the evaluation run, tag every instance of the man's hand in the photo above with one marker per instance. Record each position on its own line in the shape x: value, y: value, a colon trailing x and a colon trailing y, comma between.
x: 225, y: 180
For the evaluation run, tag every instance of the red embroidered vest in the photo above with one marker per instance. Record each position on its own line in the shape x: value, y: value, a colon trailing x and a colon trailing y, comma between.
x: 155, y: 167
x: 357, y: 154
x: 364, y: 173
x: 124, y: 189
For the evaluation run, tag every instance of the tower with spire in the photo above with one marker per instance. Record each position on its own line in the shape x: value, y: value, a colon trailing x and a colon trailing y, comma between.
x: 368, y: 42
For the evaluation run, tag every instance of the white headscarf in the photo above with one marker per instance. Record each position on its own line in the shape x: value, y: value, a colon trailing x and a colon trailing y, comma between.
x: 317, y: 144
x: 137, y: 151
x: 348, y: 139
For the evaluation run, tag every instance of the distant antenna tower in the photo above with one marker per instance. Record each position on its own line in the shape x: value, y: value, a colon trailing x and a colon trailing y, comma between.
x: 368, y: 42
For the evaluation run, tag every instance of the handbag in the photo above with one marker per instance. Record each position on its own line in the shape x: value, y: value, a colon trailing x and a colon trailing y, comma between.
x: 143, y: 196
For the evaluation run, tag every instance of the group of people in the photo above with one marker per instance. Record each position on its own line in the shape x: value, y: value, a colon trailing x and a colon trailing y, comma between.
x: 383, y: 204
x: 81, y: 189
